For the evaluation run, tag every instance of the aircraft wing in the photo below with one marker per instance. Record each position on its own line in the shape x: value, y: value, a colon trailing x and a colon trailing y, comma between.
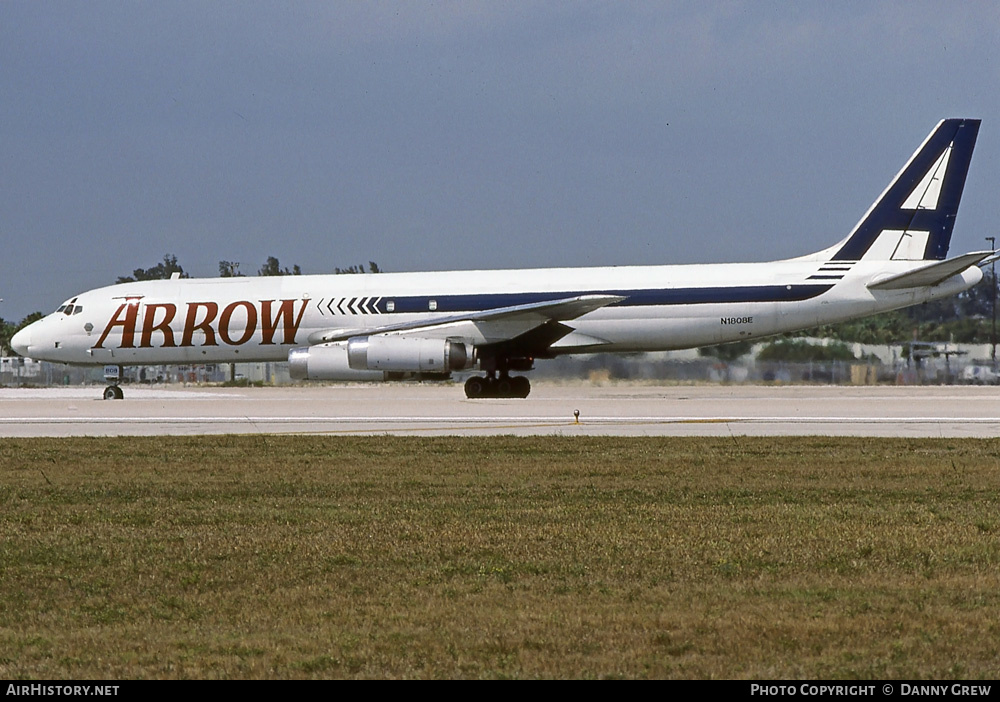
x: 932, y: 274
x: 494, y: 325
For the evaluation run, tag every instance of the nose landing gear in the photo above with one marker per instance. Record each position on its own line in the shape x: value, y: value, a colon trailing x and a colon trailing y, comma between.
x: 112, y: 374
x: 113, y: 392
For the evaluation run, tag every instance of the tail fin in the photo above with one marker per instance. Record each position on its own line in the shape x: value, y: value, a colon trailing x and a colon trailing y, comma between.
x: 914, y: 217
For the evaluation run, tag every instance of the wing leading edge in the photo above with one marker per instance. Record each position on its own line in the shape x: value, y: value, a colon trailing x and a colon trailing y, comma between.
x: 493, y: 325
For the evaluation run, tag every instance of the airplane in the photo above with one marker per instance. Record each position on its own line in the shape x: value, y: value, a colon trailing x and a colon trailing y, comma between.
x: 396, y: 325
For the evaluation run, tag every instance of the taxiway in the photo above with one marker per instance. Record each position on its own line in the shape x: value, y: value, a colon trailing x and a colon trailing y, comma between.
x: 442, y: 409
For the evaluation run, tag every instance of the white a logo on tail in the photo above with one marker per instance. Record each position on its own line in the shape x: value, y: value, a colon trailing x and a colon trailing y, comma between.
x: 914, y: 218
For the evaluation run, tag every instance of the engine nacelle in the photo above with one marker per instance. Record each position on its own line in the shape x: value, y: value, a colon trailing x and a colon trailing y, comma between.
x: 326, y: 362
x: 405, y: 353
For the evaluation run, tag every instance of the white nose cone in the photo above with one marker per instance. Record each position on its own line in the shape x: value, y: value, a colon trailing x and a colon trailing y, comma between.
x: 21, y: 341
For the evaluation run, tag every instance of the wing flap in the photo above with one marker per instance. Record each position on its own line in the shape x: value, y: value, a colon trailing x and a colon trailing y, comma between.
x: 576, y: 340
x: 931, y: 274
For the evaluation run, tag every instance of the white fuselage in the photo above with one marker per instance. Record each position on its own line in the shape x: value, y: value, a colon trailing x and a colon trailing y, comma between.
x: 186, y: 321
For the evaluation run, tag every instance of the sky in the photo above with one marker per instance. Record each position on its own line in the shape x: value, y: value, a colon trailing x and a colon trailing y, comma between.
x: 468, y: 135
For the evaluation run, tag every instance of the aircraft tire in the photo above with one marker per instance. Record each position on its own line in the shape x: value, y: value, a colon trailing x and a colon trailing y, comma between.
x: 520, y: 385
x: 113, y: 392
x: 476, y: 387
x: 504, y: 388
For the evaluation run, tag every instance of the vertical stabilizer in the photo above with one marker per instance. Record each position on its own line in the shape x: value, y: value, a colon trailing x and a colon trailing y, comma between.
x: 914, y: 218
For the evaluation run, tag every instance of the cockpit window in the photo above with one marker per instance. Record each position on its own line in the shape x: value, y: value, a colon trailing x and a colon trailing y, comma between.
x: 61, y: 308
x: 69, y: 308
x: 78, y: 309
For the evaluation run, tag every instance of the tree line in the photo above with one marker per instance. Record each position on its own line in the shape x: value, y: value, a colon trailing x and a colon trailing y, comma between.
x: 231, y: 269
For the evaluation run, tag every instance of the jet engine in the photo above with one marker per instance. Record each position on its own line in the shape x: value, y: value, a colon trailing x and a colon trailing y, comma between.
x: 379, y: 358
x: 405, y: 353
x: 326, y: 362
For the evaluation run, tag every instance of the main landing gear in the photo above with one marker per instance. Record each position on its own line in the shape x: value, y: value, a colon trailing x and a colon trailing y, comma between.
x: 478, y: 387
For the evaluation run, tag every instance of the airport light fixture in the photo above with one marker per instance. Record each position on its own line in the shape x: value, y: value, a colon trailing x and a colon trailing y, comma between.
x: 993, y: 301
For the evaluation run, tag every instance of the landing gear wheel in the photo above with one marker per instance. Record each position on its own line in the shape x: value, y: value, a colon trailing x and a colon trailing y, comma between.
x: 476, y: 387
x: 520, y: 386
x: 504, y: 387
x: 113, y: 392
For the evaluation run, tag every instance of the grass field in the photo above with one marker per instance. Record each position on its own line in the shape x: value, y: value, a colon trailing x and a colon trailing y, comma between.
x: 320, y: 557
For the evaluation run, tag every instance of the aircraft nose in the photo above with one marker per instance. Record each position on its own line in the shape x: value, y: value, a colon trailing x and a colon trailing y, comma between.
x: 21, y: 341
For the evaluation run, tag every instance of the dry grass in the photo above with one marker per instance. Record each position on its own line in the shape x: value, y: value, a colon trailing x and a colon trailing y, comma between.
x: 317, y: 557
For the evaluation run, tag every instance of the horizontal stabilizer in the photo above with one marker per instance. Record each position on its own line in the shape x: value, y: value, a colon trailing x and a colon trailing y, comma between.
x: 931, y: 274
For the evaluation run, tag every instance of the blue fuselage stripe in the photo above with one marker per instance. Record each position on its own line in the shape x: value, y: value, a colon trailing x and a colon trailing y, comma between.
x: 634, y: 298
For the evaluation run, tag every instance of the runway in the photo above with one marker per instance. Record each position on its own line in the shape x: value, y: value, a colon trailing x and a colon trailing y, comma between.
x: 442, y: 409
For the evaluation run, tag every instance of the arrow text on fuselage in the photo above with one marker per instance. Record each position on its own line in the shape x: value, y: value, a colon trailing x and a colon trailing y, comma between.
x: 269, y: 316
